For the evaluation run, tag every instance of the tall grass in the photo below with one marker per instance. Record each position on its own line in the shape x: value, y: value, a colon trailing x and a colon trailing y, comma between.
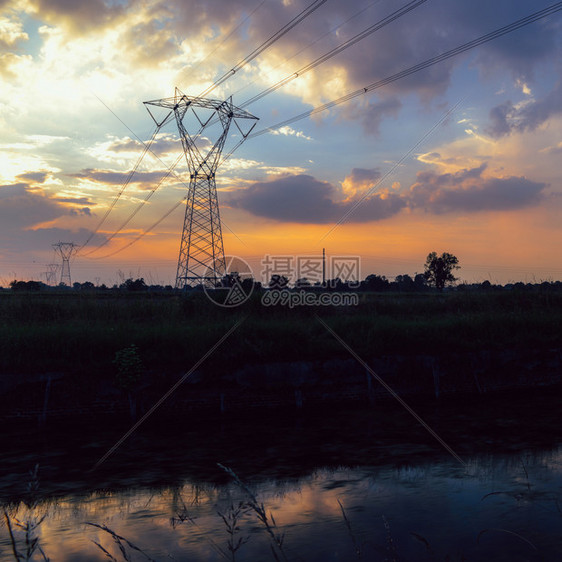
x: 23, y: 523
x: 81, y: 333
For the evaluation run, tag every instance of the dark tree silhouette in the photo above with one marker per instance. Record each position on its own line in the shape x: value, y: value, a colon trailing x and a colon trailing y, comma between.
x: 404, y: 283
x: 136, y: 285
x: 439, y: 269
x: 230, y: 279
x: 278, y: 282
x: 302, y: 282
x: 420, y: 281
x: 375, y: 283
x: 26, y: 285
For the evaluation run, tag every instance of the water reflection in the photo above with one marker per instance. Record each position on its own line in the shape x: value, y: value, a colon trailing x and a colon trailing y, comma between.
x: 348, y: 488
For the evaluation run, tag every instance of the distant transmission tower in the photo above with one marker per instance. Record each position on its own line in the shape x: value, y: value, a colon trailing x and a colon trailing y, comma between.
x: 65, y: 251
x: 51, y: 273
x: 201, y: 258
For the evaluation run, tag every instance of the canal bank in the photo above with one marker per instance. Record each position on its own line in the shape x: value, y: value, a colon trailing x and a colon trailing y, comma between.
x: 289, y: 385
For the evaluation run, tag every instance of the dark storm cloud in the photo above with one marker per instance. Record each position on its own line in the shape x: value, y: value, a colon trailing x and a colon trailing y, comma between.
x: 11, y: 189
x: 427, y: 31
x: 83, y: 211
x: 304, y: 199
x: 74, y: 200
x: 363, y: 176
x: 21, y: 207
x: 159, y: 146
x: 506, y: 117
x: 119, y: 178
x: 449, y: 180
x: 520, y: 52
x: 298, y: 198
x: 430, y: 29
x: 499, y: 116
x: 374, y: 113
x: 35, y: 177
x: 41, y: 239
x: 467, y: 192
x: 436, y: 27
x: 126, y: 145
x: 375, y: 207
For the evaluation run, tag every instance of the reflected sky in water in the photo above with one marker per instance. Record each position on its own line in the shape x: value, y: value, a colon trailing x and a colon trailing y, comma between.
x: 506, y: 504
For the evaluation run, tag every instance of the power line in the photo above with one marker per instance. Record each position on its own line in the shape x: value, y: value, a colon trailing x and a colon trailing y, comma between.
x: 356, y: 14
x: 231, y: 33
x: 265, y: 45
x: 123, y: 187
x: 391, y: 171
x: 147, y: 147
x: 255, y: 53
x: 420, y: 66
x: 327, y: 56
x: 324, y: 57
x: 402, y: 74
x: 146, y: 231
x: 337, y: 50
x: 137, y: 208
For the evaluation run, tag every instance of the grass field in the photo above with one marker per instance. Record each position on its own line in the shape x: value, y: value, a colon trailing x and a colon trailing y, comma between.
x: 81, y: 332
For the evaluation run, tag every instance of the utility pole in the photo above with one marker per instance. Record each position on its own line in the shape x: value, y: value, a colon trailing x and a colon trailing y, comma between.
x: 201, y: 257
x: 65, y: 251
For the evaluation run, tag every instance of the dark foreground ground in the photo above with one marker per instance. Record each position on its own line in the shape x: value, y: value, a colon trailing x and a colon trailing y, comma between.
x: 59, y: 353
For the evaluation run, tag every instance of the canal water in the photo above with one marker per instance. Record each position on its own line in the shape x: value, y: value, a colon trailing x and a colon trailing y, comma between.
x: 361, y: 484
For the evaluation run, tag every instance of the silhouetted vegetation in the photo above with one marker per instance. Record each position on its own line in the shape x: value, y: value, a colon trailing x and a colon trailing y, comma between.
x: 29, y: 286
x: 439, y: 269
x: 79, y: 330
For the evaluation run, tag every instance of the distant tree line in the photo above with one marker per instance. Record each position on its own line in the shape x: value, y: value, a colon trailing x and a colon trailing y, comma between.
x: 437, y: 276
x: 132, y: 285
x: 372, y: 283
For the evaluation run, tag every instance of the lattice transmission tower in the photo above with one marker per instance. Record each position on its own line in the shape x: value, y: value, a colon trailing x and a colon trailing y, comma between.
x: 65, y: 251
x: 51, y: 273
x: 203, y: 125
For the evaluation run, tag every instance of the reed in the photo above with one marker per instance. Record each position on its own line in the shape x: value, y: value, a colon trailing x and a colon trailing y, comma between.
x: 24, y: 529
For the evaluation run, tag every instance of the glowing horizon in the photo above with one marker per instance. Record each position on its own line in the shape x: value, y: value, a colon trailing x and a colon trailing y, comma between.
x: 461, y: 157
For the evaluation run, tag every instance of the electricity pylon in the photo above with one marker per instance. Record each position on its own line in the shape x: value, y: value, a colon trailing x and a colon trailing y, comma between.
x: 51, y: 273
x: 201, y: 258
x: 65, y: 251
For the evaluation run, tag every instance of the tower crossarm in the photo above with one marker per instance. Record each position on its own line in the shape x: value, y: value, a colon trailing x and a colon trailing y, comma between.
x: 183, y: 103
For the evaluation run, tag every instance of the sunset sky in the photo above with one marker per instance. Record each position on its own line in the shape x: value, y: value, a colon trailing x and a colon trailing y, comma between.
x: 462, y: 157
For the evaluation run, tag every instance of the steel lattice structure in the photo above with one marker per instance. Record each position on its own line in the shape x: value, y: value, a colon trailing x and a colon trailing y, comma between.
x: 65, y: 251
x: 201, y: 257
x: 51, y: 273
